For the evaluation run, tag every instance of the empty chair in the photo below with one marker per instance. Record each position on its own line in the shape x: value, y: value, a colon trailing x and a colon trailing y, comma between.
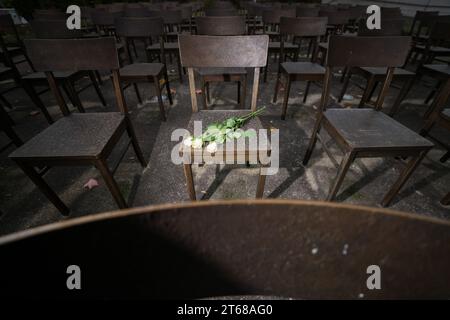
x: 56, y: 29
x: 367, y: 132
x: 337, y: 19
x: 421, y: 25
x: 77, y: 139
x: 222, y: 26
x: 299, y: 71
x: 271, y: 20
x: 144, y: 29
x: 374, y: 75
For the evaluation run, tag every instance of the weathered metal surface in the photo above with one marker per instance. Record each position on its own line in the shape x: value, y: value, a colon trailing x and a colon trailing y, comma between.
x: 292, y: 249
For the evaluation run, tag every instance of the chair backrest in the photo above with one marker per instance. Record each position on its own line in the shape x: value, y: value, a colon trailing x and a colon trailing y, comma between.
x: 273, y: 16
x: 220, y: 12
x: 137, y: 12
x: 53, y: 29
x: 391, y: 13
x: 307, y: 12
x: 389, y: 27
x: 186, y: 12
x: 50, y: 16
x: 350, y: 51
x: 336, y: 17
x: 171, y: 17
x: 223, y: 52
x: 221, y: 26
x: 303, y: 27
x: 55, y: 55
x: 105, y: 18
x: 7, y: 24
x: 422, y: 20
x: 228, y: 248
x: 440, y: 32
x: 139, y: 27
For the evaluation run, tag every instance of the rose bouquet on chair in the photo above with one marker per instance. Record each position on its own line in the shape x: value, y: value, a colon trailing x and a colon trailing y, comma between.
x: 220, y: 132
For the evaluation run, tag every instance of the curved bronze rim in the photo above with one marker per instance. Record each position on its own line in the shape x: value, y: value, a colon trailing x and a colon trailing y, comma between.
x: 211, y: 203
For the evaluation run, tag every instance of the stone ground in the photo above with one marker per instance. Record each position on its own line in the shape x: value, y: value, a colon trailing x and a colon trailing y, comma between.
x: 23, y: 206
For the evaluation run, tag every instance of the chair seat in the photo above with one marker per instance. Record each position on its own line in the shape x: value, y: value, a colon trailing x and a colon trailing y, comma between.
x: 367, y: 128
x: 12, y: 50
x: 141, y: 70
x: 42, y: 76
x: 435, y: 49
x: 75, y: 136
x: 287, y: 45
x: 167, y: 46
x: 381, y: 71
x: 443, y: 69
x: 446, y: 113
x: 323, y: 45
x: 220, y: 71
x: 4, y: 70
x: 302, y: 68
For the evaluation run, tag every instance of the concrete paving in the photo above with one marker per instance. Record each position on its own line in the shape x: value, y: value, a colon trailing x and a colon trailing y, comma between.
x: 23, y: 206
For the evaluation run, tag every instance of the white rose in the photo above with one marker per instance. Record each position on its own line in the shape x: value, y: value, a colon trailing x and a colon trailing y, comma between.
x: 188, y: 142
x: 197, y: 143
x: 212, y: 147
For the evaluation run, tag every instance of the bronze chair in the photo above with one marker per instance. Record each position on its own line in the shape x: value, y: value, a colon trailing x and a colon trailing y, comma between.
x: 367, y: 132
x: 10, y: 71
x: 6, y: 125
x: 222, y: 26
x: 236, y: 249
x: 374, y: 75
x: 299, y: 71
x: 172, y: 18
x: 15, y: 47
x: 439, y: 115
x: 224, y: 52
x: 56, y: 29
x: 77, y: 139
x: 143, y: 29
x: 271, y: 20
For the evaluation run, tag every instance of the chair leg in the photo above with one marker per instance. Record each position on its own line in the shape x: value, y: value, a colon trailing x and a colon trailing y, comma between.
x: 343, y: 168
x: 238, y: 92
x: 265, y: 71
x: 99, y: 77
x: 445, y: 157
x: 138, y: 95
x: 367, y: 91
x: 169, y: 94
x: 5, y: 102
x: 446, y: 200
x: 12, y: 135
x: 261, y: 183
x: 277, y: 87
x: 160, y: 101
x: 74, y: 95
x: 180, y: 68
x: 204, y: 94
x: 344, y: 73
x: 189, y: 181
x: 345, y: 85
x: 29, y: 89
x: 401, y: 96
x: 107, y: 175
x: 97, y: 88
x: 313, y: 140
x: 305, y: 96
x: 44, y: 187
x: 208, y: 93
x: 286, y: 97
x: 432, y: 93
x: 244, y: 90
x: 134, y: 142
x: 409, y: 169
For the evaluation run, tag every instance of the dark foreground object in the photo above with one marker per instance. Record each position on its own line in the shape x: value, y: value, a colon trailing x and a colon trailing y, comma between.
x: 294, y: 249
